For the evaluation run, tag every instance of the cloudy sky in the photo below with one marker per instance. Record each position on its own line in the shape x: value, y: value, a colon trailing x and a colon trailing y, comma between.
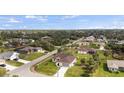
x: 61, y: 22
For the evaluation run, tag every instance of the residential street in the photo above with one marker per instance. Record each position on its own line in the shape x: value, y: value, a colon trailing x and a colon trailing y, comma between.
x: 24, y: 71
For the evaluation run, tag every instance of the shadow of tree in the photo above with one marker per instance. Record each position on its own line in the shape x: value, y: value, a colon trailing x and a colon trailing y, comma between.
x: 105, y: 68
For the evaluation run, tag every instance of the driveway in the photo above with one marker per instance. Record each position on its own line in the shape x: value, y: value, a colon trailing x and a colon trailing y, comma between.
x: 61, y: 72
x: 9, y: 67
x: 23, y: 61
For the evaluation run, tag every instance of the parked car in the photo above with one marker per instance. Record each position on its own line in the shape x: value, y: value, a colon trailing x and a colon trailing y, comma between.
x: 2, y: 65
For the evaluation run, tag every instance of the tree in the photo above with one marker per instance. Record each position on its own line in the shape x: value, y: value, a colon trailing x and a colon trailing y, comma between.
x: 83, y: 60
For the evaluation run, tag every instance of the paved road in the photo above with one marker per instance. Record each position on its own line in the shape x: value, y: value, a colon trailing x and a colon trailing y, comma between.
x: 24, y: 71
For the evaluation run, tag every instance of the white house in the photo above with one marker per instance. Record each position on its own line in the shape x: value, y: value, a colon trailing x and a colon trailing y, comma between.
x: 86, y: 51
x: 115, y: 65
x: 64, y: 60
x: 90, y: 38
x: 9, y: 55
x: 30, y: 49
x: 2, y: 61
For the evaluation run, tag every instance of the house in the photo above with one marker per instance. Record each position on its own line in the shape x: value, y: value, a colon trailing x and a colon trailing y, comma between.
x: 90, y: 39
x: 9, y: 55
x: 2, y: 61
x: 38, y: 49
x: 84, y: 43
x: 115, y: 65
x: 120, y: 42
x: 86, y: 51
x: 46, y: 38
x: 29, y: 50
x: 64, y: 60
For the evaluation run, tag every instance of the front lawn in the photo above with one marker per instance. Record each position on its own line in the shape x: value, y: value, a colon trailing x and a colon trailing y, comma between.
x: 14, y: 63
x: 30, y: 56
x: 47, y: 67
x: 2, y: 71
x: 4, y: 49
x: 75, y: 71
x: 103, y: 71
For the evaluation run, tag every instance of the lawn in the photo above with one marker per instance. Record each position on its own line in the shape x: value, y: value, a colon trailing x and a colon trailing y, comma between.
x: 31, y: 56
x: 2, y: 71
x: 14, y: 63
x: 78, y: 56
x: 47, y: 67
x: 75, y: 71
x: 102, y: 71
x: 3, y: 49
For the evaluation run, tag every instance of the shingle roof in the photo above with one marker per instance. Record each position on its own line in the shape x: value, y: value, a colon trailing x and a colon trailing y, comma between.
x: 64, y: 58
x: 115, y: 63
x: 30, y: 48
x: 6, y: 55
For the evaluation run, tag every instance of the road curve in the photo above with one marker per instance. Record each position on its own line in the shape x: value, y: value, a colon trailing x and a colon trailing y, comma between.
x: 24, y: 70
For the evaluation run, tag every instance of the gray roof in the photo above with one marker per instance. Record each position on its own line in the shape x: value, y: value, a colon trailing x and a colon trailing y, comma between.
x: 115, y: 63
x: 6, y: 55
x: 30, y: 48
x: 64, y: 58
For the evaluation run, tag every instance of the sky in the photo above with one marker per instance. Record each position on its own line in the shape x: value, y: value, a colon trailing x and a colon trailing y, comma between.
x: 61, y: 21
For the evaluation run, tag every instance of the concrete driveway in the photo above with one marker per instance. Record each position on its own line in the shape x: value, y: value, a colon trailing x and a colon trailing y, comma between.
x: 23, y: 61
x: 9, y: 67
x: 61, y: 72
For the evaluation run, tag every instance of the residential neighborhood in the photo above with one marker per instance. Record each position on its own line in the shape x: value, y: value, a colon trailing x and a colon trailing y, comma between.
x: 84, y: 56
x: 61, y: 46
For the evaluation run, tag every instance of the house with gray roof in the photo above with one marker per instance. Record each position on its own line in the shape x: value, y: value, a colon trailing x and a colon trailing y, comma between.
x: 30, y: 49
x: 115, y: 65
x: 64, y: 60
x: 10, y: 55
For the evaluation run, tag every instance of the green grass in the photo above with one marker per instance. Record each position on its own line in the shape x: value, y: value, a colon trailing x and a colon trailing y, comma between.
x: 14, y: 63
x: 102, y: 70
x: 31, y: 56
x: 94, y: 46
x: 3, y: 49
x: 2, y: 71
x: 47, y: 67
x: 75, y: 71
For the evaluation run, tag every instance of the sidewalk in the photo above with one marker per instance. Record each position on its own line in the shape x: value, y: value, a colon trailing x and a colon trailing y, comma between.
x: 23, y: 61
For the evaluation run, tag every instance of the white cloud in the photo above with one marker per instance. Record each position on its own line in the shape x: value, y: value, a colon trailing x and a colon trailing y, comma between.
x: 30, y: 16
x: 40, y: 18
x: 6, y: 25
x: 12, y: 20
x: 69, y: 17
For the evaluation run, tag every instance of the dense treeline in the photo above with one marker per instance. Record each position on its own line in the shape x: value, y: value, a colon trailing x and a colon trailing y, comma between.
x: 60, y: 37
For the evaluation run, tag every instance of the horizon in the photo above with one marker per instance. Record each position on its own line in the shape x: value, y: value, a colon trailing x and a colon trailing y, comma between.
x: 61, y: 22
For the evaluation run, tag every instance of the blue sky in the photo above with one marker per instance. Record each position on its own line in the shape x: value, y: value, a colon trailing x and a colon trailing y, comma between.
x: 61, y: 22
